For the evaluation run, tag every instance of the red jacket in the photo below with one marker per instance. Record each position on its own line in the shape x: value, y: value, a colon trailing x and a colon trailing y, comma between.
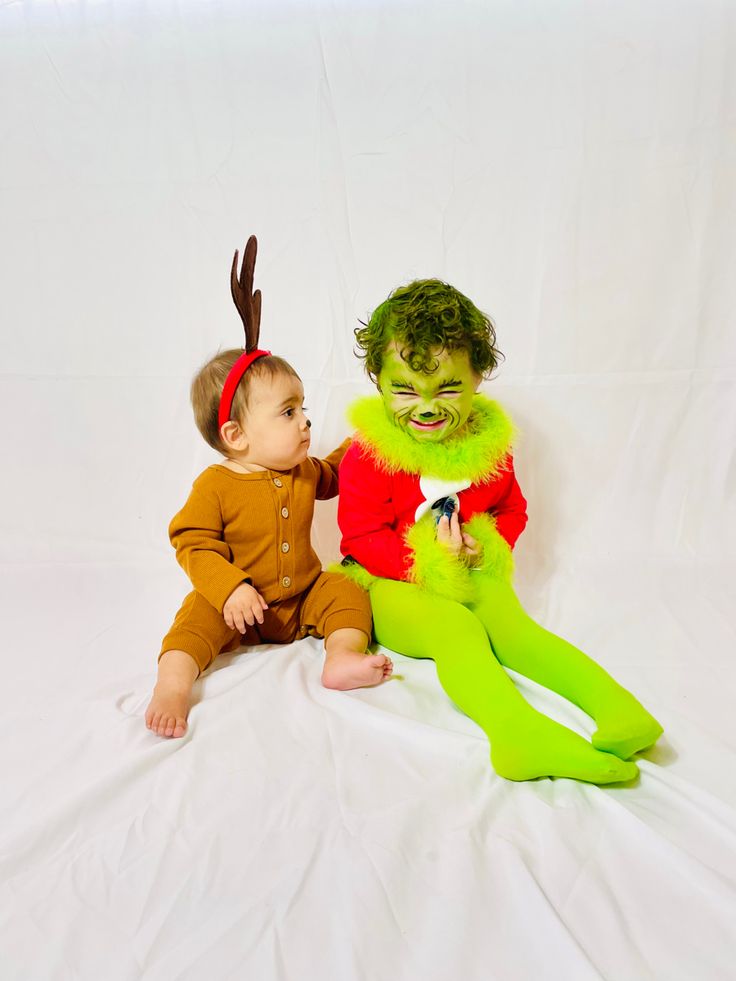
x: 375, y: 509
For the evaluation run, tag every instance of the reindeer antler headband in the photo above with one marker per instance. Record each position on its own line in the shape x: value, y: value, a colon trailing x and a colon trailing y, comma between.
x: 248, y: 305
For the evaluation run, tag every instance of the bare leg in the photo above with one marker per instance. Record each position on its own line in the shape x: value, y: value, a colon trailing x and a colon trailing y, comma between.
x: 168, y: 709
x: 347, y: 665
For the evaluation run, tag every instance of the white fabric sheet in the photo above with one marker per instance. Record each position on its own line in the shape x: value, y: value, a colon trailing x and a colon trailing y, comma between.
x: 571, y: 168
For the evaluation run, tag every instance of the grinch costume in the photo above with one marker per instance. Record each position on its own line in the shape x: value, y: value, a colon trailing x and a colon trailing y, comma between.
x: 429, y: 602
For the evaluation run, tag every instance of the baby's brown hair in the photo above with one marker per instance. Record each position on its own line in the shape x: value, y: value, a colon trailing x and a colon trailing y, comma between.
x: 208, y: 383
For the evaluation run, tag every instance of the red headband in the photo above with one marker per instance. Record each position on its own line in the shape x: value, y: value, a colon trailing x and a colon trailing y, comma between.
x: 232, y: 381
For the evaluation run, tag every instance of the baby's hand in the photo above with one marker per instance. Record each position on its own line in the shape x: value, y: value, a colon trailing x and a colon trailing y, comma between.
x: 243, y: 606
x: 448, y: 532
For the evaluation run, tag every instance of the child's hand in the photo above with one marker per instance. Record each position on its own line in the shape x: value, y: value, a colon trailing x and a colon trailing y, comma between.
x: 448, y: 532
x: 459, y: 542
x: 243, y: 606
x: 471, y: 551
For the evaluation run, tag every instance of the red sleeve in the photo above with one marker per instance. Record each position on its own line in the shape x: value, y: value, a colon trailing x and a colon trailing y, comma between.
x: 510, y: 510
x: 366, y: 516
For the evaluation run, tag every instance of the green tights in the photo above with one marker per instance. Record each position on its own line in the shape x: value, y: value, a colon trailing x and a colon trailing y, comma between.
x: 471, y: 644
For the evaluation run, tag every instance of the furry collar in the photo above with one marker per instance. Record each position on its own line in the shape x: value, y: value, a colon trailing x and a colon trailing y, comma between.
x: 478, y: 452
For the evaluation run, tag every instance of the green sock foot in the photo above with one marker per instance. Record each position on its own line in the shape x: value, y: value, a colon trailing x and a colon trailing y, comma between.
x: 625, y: 728
x: 625, y: 742
x: 534, y: 746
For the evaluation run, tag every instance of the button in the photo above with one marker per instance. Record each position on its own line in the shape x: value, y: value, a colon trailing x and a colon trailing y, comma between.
x: 277, y: 481
x: 284, y: 512
x: 285, y: 547
x: 286, y: 582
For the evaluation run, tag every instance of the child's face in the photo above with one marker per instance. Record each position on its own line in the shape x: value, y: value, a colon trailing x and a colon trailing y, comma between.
x: 275, y: 427
x: 430, y: 407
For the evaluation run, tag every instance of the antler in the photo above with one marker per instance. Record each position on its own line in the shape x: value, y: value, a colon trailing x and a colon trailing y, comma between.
x: 247, y: 302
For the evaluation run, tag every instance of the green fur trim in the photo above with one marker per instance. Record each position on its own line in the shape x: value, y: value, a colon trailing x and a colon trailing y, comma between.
x: 476, y: 453
x: 355, y: 571
x: 435, y: 568
x: 497, y: 561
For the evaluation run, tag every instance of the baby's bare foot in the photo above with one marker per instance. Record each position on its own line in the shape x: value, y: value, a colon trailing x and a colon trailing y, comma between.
x: 167, y: 712
x: 344, y: 670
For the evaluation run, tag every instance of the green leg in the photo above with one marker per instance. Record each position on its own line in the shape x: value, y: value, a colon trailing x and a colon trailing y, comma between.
x: 524, y: 743
x: 624, y: 725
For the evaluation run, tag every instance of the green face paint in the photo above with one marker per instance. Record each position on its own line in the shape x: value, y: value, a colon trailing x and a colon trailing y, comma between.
x: 428, y: 406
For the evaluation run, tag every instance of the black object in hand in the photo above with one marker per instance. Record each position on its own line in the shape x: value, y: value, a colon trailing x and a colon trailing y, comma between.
x: 443, y: 508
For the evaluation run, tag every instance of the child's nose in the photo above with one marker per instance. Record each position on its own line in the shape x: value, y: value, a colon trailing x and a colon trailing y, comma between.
x: 429, y: 410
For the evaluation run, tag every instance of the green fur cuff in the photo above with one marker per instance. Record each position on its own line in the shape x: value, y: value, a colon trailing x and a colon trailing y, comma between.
x: 355, y: 571
x: 497, y: 562
x: 476, y: 453
x: 435, y: 568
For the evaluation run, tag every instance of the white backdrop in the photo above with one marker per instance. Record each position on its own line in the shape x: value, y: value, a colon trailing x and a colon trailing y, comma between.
x: 569, y: 165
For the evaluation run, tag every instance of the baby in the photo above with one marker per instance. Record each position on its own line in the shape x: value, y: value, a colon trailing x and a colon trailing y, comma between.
x: 243, y: 536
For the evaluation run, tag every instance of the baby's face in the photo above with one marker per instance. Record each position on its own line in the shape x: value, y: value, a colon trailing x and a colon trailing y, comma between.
x: 430, y: 407
x: 275, y: 426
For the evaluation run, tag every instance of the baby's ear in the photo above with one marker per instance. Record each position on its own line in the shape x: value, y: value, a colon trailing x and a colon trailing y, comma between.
x: 233, y: 436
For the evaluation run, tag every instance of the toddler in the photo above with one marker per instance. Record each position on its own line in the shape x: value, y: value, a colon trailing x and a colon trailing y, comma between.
x: 430, y: 510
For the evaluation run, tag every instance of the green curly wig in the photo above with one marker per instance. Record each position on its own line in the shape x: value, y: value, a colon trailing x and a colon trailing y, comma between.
x: 424, y: 317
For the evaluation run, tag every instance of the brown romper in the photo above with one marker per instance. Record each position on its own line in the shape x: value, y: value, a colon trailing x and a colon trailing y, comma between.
x: 256, y: 528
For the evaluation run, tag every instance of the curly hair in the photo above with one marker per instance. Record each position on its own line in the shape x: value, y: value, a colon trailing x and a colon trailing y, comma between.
x: 423, y: 317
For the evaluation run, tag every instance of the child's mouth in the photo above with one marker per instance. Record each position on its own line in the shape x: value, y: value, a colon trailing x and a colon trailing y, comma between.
x: 427, y: 426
